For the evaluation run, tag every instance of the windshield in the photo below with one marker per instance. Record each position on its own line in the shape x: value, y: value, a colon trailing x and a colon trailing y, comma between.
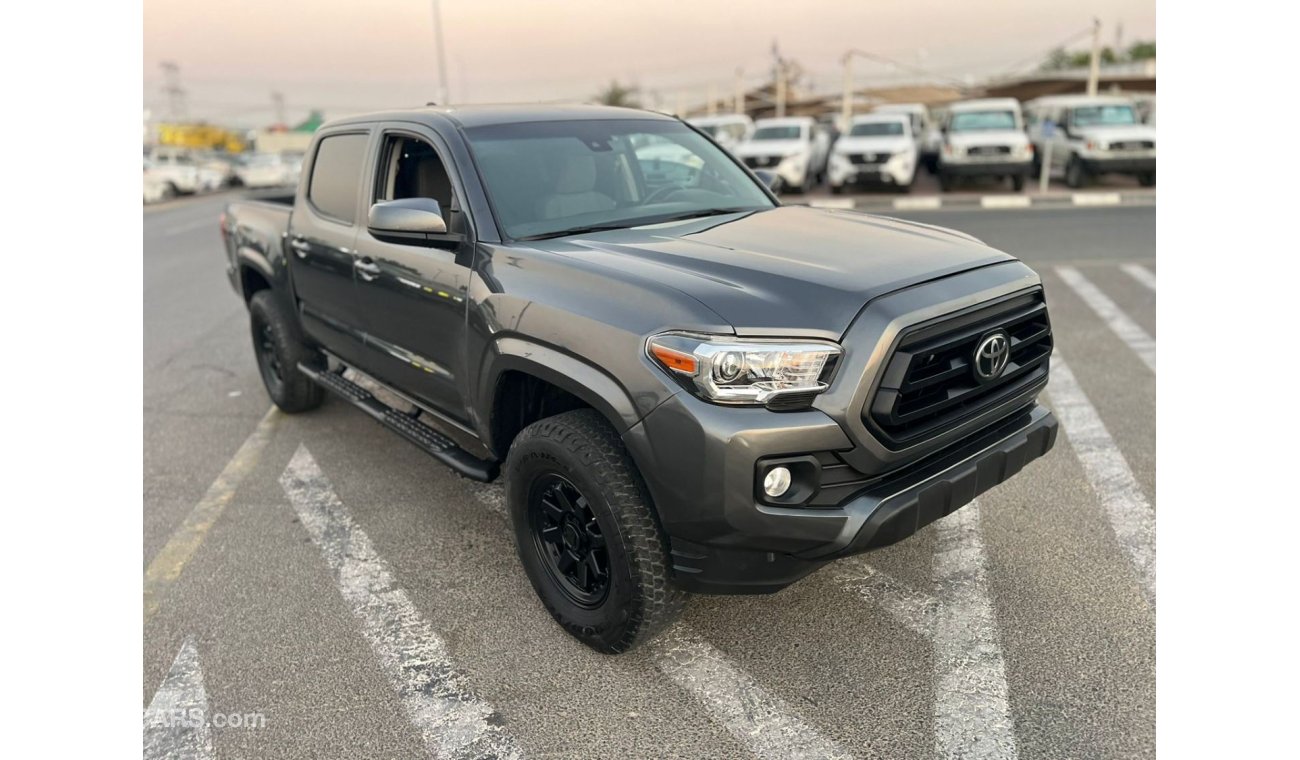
x: 877, y: 129
x: 788, y: 132
x: 547, y: 179
x: 1093, y: 116
x: 971, y: 121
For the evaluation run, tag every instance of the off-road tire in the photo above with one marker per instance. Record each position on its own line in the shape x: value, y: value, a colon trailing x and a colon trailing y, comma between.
x: 1017, y: 182
x: 1147, y: 179
x: 945, y: 181
x: 1075, y: 175
x: 279, y: 347
x: 582, y: 448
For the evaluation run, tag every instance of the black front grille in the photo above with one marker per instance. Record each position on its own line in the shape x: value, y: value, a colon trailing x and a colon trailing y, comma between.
x: 760, y: 162
x: 930, y: 383
x: 868, y: 158
x: 989, y: 150
x: 1133, y: 145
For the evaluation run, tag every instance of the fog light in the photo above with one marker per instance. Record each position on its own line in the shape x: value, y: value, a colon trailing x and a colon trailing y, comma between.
x: 777, y: 481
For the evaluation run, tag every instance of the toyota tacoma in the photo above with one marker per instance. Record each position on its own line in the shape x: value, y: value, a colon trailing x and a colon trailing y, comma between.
x: 687, y: 386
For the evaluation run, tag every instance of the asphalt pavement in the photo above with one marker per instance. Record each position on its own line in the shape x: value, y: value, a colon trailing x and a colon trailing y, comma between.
x: 295, y: 563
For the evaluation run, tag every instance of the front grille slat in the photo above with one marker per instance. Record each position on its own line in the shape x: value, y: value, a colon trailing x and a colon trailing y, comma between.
x: 929, y: 382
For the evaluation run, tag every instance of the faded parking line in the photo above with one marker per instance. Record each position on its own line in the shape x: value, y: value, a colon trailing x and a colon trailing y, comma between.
x: 167, y: 565
x: 1129, y: 512
x: 760, y: 720
x: 972, y: 717
x: 1119, y: 323
x: 913, y: 609
x: 452, y: 721
x: 1141, y: 274
x: 176, y: 720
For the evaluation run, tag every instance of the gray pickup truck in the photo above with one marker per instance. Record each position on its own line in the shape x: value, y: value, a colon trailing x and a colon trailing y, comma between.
x: 687, y: 386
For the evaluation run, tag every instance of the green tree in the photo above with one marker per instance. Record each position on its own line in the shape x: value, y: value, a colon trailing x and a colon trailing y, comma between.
x: 619, y: 95
x: 1142, y: 51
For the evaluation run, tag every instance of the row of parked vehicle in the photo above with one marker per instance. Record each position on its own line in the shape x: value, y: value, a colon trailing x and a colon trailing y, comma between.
x: 1081, y: 137
x: 169, y: 172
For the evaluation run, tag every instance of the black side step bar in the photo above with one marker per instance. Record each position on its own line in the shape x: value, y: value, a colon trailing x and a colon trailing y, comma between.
x: 436, y: 444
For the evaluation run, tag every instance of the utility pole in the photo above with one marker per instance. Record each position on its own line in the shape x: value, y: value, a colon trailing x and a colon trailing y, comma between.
x: 712, y: 108
x: 846, y: 99
x: 173, y: 90
x: 444, y: 94
x: 1094, y: 70
x: 740, y: 91
x: 780, y: 88
x: 278, y: 99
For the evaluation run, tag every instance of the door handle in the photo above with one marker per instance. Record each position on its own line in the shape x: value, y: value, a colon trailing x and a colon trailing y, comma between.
x: 300, y: 246
x: 369, y: 270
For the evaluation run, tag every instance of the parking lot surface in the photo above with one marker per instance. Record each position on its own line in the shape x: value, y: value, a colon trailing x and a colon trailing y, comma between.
x: 350, y: 597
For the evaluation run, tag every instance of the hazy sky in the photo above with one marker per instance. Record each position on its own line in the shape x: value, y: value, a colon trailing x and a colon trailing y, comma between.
x: 344, y: 56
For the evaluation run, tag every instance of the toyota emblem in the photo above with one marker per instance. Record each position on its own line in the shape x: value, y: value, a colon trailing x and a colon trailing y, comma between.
x: 992, y: 355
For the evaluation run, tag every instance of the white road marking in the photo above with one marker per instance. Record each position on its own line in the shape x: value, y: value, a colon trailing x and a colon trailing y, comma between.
x: 912, y: 204
x: 759, y: 720
x: 972, y: 717
x: 1131, y: 515
x: 1005, y: 201
x: 166, y: 567
x: 197, y: 224
x: 1128, y: 331
x: 1141, y: 274
x: 832, y: 203
x: 452, y: 722
x: 912, y: 609
x: 1095, y: 199
x: 176, y: 720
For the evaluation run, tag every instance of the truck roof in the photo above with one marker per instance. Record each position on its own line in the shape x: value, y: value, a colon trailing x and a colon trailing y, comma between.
x: 1080, y: 100
x: 503, y: 113
x: 983, y: 103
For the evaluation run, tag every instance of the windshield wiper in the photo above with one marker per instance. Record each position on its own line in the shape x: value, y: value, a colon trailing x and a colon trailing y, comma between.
x: 636, y: 223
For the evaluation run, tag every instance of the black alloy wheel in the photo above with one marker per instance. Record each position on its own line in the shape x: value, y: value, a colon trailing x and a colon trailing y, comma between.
x: 569, y: 540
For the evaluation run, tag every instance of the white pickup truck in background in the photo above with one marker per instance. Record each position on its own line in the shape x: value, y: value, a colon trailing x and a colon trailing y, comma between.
x: 985, y: 138
x: 727, y: 130
x: 795, y: 148
x: 879, y: 149
x: 1086, y: 136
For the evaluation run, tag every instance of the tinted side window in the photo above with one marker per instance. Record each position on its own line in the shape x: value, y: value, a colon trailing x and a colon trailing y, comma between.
x: 335, y: 174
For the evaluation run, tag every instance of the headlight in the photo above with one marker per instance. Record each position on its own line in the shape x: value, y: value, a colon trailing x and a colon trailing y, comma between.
x: 795, y: 161
x: 726, y: 370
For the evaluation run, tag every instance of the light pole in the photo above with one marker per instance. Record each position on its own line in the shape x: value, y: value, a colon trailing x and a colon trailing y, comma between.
x: 444, y: 93
x: 1094, y: 68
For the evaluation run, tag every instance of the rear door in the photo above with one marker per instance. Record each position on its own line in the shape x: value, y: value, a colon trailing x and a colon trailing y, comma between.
x: 413, y: 294
x: 320, y: 243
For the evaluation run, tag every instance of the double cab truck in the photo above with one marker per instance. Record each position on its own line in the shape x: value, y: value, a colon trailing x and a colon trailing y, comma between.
x: 984, y: 138
x: 1087, y: 136
x: 687, y: 387
x: 794, y: 148
x: 879, y: 149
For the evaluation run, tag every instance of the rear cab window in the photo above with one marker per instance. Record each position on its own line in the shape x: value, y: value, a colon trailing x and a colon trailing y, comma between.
x: 336, y: 175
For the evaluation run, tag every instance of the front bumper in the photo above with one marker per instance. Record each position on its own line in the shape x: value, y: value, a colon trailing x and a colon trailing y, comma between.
x: 747, y: 547
x: 1119, y: 165
x: 986, y: 168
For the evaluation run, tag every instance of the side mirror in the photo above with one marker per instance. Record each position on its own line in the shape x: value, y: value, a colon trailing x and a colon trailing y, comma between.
x: 771, y: 179
x: 418, y: 216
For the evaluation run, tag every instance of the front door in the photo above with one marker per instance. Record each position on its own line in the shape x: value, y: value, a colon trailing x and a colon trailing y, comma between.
x: 412, y: 296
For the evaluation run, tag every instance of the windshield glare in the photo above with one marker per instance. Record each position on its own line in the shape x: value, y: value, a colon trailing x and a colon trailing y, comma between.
x: 971, y: 121
x: 790, y: 132
x: 877, y: 129
x: 548, y: 178
x: 1092, y: 116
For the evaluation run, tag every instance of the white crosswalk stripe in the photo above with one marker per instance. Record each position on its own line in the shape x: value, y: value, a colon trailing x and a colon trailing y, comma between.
x: 1141, y: 274
x: 452, y: 721
x: 1129, y: 512
x: 1128, y: 331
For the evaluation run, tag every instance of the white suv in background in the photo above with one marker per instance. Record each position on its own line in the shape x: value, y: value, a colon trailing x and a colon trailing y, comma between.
x: 985, y: 138
x: 727, y: 130
x: 795, y: 148
x: 1092, y: 135
x: 879, y: 148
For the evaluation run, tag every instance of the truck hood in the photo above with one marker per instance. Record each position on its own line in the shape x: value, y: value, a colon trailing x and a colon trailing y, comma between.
x: 1118, y: 133
x: 1012, y: 137
x: 792, y: 270
x: 873, y: 145
x: 770, y: 148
